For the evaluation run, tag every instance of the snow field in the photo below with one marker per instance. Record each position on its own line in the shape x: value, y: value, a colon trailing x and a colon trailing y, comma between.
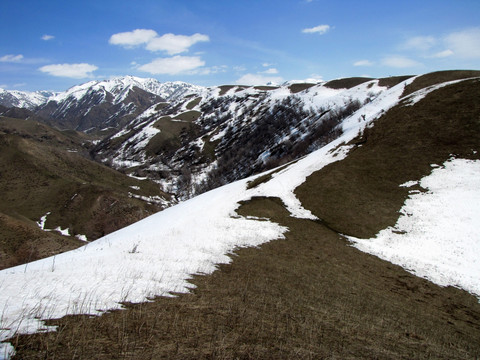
x: 437, y: 237
x: 150, y: 258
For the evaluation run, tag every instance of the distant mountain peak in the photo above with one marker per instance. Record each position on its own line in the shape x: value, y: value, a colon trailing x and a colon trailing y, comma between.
x: 24, y: 99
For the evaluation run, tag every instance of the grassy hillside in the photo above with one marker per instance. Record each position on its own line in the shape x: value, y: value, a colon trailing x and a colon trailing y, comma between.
x: 44, y: 170
x: 312, y: 295
x: 361, y: 195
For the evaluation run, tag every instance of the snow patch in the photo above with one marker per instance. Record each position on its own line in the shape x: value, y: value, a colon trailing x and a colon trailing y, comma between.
x: 437, y: 237
x: 409, y: 183
x: 81, y: 237
x: 43, y: 220
x: 64, y: 232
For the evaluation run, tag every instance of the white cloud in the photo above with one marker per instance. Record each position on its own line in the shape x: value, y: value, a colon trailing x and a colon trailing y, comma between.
x: 321, y: 29
x: 175, y: 44
x: 464, y: 44
x: 170, y: 43
x: 133, y: 38
x: 47, y: 37
x: 11, y: 58
x: 270, y: 71
x: 314, y: 78
x: 443, y: 54
x: 76, y: 71
x: 258, y: 79
x: 363, y: 63
x: 267, y: 64
x: 419, y: 43
x: 399, y: 62
x: 173, y: 66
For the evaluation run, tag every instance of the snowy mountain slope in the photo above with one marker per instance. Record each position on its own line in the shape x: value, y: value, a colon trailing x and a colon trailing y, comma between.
x: 107, y: 105
x: 189, y: 238
x: 24, y: 99
x: 225, y: 133
x: 182, y: 240
x: 120, y: 86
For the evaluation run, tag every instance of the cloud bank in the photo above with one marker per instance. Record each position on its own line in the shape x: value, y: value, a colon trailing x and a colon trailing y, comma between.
x: 76, y: 71
x: 11, y: 58
x: 173, y: 66
x: 399, y: 62
x: 170, y: 43
x: 464, y: 44
x: 259, y: 79
x: 363, y: 63
x: 320, y: 29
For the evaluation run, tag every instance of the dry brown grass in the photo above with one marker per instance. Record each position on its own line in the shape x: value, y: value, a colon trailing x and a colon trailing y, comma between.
x: 391, y: 81
x: 346, y: 83
x: 193, y: 103
x: 295, y: 88
x: 438, y: 77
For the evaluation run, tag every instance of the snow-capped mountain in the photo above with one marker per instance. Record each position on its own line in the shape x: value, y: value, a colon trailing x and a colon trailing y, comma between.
x: 107, y: 105
x: 24, y: 99
x: 119, y: 88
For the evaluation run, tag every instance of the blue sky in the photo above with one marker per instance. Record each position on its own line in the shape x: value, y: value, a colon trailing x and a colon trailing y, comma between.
x: 52, y: 45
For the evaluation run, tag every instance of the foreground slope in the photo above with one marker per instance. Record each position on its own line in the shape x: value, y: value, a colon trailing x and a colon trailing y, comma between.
x: 311, y: 295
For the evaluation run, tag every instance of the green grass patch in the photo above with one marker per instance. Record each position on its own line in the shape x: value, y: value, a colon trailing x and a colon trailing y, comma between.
x: 161, y: 106
x: 169, y: 138
x: 209, y: 147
